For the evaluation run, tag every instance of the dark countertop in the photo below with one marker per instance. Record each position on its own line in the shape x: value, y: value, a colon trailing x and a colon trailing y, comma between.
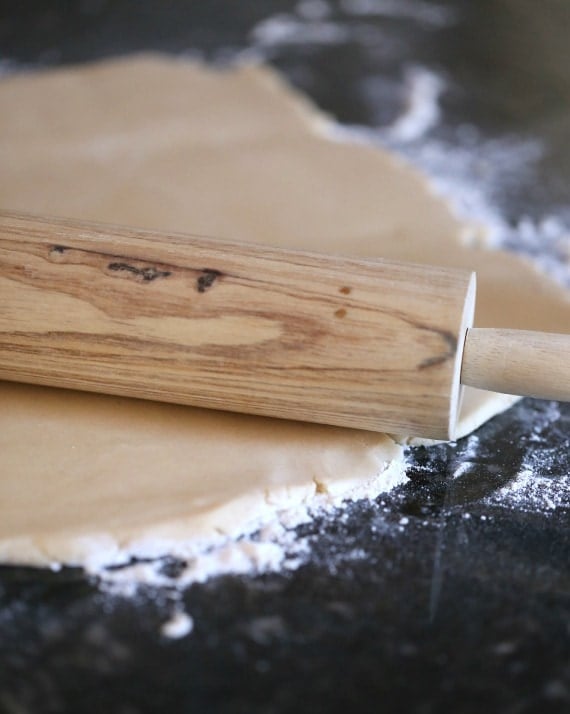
x: 465, y: 605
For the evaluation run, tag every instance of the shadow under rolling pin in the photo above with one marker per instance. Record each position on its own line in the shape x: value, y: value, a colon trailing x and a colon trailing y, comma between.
x: 369, y: 344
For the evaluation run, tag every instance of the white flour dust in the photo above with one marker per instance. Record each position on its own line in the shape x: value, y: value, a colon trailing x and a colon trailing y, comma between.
x: 466, y: 177
x: 421, y: 112
x: 469, y: 173
x: 422, y: 12
x: 533, y: 492
x: 179, y: 625
x: 540, y: 486
x: 288, y: 29
x: 274, y: 546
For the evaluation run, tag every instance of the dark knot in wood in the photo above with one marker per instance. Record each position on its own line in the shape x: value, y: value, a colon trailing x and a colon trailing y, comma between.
x: 207, y: 279
x: 146, y: 274
x: 448, y: 339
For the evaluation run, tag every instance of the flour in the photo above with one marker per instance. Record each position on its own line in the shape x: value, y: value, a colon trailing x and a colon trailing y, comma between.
x: 466, y: 168
x: 451, y: 170
x: 540, y: 486
x: 469, y: 173
x: 278, y: 546
x: 421, y: 12
x: 468, y: 177
x: 274, y: 546
x: 422, y: 111
x: 179, y: 625
x: 290, y: 30
x: 533, y: 492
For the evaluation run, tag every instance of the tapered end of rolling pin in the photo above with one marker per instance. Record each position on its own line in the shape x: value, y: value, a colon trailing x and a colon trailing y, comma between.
x: 529, y: 364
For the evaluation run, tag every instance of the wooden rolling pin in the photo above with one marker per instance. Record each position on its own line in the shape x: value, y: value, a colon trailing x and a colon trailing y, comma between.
x: 371, y: 344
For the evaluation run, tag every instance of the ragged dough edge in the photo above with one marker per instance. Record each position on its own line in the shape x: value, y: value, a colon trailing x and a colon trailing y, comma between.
x: 329, y: 464
x: 191, y: 538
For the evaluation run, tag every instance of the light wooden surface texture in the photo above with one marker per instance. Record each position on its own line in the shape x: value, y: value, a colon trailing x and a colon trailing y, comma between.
x: 247, y: 328
x: 532, y: 364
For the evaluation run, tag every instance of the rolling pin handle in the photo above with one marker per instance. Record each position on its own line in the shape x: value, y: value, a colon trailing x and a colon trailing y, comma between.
x: 522, y: 362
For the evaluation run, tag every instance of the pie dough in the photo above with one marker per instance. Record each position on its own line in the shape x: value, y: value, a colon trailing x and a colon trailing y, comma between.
x: 161, y: 143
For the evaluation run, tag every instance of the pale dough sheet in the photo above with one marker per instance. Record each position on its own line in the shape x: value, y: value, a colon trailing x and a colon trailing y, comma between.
x: 159, y: 143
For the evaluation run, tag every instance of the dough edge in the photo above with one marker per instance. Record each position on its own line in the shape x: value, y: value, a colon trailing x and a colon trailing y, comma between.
x: 174, y: 536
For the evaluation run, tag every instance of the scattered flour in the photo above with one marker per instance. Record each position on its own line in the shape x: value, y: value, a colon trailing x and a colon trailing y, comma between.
x: 179, y: 625
x: 287, y: 29
x: 540, y: 486
x: 274, y: 546
x: 422, y: 12
x: 532, y: 492
x: 421, y: 112
x: 470, y: 174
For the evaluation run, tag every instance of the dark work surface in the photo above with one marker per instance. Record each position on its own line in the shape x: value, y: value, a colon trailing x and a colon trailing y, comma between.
x: 463, y: 607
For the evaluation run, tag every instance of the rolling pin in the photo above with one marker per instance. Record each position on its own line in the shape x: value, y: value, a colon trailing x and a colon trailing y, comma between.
x: 370, y: 344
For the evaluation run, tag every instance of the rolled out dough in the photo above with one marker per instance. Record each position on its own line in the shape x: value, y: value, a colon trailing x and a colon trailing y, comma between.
x: 160, y: 143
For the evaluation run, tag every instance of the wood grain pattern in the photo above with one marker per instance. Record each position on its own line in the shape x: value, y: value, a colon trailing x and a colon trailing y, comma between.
x: 532, y: 364
x: 246, y: 328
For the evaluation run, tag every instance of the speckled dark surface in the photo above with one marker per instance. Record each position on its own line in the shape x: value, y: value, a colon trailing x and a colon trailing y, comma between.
x: 463, y: 607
